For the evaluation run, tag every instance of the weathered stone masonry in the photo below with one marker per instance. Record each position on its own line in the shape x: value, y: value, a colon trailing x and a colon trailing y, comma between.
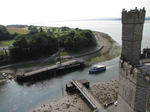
x: 132, y: 29
x: 133, y: 88
x: 133, y: 79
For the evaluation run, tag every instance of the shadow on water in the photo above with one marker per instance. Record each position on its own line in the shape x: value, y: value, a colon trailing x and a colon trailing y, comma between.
x: 48, y: 77
x: 97, y: 73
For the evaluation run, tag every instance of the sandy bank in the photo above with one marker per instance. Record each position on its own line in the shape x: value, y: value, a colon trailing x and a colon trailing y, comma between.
x: 110, y: 50
x: 104, y: 92
x: 71, y: 103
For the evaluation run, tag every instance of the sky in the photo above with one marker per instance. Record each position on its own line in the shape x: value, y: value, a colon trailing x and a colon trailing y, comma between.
x: 34, y: 11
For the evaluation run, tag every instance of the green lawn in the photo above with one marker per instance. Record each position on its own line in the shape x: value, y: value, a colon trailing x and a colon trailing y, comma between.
x: 12, y: 30
x: 6, y: 43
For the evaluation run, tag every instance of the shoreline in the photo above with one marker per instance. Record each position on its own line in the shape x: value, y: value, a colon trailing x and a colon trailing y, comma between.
x: 105, y: 92
x: 110, y: 50
x: 74, y: 102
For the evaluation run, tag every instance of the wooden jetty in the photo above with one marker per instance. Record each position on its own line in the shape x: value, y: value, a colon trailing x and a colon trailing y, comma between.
x: 96, y: 107
x: 51, y: 71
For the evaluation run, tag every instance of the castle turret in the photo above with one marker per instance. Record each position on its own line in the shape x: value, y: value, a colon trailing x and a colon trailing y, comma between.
x: 132, y: 28
x: 133, y: 80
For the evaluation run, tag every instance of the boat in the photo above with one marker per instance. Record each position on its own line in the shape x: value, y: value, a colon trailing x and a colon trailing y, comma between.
x: 97, y: 69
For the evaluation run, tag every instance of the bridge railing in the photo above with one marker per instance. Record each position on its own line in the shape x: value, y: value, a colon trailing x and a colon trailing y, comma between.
x: 85, y: 93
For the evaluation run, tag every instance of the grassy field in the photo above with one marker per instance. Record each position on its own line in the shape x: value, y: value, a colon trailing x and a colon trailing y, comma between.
x: 18, y: 30
x: 6, y: 43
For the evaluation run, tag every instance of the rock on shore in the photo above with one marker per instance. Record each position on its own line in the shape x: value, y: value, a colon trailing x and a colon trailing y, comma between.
x: 104, y: 92
x: 71, y: 103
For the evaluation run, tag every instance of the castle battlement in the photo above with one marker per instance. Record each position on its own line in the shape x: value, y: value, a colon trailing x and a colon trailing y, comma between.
x: 133, y: 16
x: 134, y: 73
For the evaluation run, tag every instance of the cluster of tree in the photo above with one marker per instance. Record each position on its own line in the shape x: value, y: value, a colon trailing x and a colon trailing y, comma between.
x: 33, y: 46
x: 64, y: 28
x: 76, y: 40
x: 39, y: 43
x: 4, y: 34
x: 18, y: 26
x: 34, y: 30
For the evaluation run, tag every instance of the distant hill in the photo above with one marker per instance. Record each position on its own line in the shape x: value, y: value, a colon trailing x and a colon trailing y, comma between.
x: 115, y: 19
x: 17, y: 26
x: 147, y: 18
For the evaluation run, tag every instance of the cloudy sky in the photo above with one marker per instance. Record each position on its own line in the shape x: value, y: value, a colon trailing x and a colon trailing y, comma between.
x: 32, y: 11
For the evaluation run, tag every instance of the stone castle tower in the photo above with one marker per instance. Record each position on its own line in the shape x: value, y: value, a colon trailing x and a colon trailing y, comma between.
x: 134, y: 78
x: 132, y: 29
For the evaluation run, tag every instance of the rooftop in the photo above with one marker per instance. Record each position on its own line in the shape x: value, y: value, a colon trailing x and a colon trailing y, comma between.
x: 146, y: 68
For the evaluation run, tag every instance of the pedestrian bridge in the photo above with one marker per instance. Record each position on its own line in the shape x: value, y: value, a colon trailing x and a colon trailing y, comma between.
x: 87, y: 95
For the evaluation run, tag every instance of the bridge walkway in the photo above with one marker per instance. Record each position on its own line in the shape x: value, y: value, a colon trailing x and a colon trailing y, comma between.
x: 85, y: 92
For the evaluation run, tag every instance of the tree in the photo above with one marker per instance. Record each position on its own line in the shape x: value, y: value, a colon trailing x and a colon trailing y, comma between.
x: 33, y: 30
x: 77, y: 29
x: 2, y: 57
x: 20, y: 47
x: 53, y: 29
x: 90, y: 36
x: 64, y: 28
x: 76, y: 42
x: 68, y: 43
x: 4, y: 34
x: 41, y: 30
x: 17, y: 26
x: 33, y: 46
x: 21, y: 42
x: 31, y: 27
x: 49, y: 32
x: 37, y: 45
x: 14, y: 35
x: 71, y: 34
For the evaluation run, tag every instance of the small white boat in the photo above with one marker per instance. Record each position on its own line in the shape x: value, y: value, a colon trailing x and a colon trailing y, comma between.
x: 97, y: 69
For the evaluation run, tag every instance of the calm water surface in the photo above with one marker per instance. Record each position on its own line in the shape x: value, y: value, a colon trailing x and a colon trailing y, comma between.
x: 25, y: 97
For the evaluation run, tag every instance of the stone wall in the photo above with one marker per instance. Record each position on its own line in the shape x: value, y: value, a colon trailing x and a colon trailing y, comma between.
x: 133, y: 79
x: 133, y: 88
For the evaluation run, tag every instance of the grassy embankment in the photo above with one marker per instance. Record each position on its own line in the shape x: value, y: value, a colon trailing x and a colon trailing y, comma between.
x: 110, y: 53
x: 6, y: 43
x: 13, y: 30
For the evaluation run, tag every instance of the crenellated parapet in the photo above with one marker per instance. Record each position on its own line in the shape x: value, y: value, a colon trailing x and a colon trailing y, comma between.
x: 146, y: 53
x: 134, y: 73
x: 133, y: 16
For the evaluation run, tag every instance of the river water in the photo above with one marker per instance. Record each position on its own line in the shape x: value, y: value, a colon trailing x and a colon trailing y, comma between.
x: 16, y: 97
